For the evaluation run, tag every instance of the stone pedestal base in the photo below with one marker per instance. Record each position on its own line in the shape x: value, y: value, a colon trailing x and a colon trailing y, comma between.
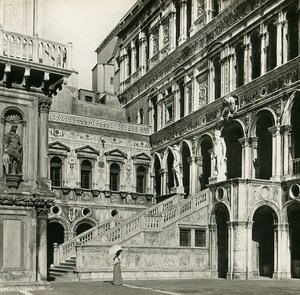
x: 215, y: 179
x: 237, y: 276
x: 281, y: 275
x: 13, y: 180
x: 177, y: 190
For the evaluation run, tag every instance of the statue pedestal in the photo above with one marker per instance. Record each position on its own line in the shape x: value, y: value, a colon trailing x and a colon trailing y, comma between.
x: 179, y: 190
x: 13, y: 180
x: 215, y: 179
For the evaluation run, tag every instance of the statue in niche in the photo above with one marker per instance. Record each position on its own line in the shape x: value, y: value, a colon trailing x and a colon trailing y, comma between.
x: 13, y: 152
x: 229, y: 107
x: 176, y: 166
x: 219, y: 155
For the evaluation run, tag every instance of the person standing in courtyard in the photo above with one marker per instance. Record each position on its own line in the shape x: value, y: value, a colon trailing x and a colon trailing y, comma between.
x: 117, y: 273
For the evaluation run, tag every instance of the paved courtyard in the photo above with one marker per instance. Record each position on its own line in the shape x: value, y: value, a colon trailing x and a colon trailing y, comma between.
x: 172, y: 287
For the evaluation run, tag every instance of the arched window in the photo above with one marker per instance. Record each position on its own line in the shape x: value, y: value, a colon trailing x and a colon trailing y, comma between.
x: 271, y: 52
x: 141, y: 179
x: 217, y: 79
x: 255, y: 54
x: 55, y: 171
x: 141, y: 114
x: 239, y: 51
x: 114, y: 177
x: 86, y: 174
x: 293, y: 33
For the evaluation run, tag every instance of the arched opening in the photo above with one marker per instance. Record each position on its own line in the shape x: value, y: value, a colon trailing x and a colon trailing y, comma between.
x: 293, y: 212
x: 217, y: 79
x: 170, y: 161
x: 56, y: 171
x: 263, y: 238
x: 86, y: 174
x: 271, y: 50
x: 222, y: 217
x: 232, y: 132
x: 55, y: 234
x: 141, y: 179
x: 82, y: 227
x: 114, y: 177
x: 255, y: 54
x: 239, y: 51
x: 154, y: 113
x: 293, y: 33
x: 186, y: 154
x: 215, y: 7
x: 295, y: 134
x: 141, y: 115
x: 263, y: 164
x: 157, y: 168
x: 206, y: 146
x: 182, y: 98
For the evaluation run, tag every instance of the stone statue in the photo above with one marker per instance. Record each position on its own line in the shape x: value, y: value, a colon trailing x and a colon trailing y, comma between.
x: 176, y: 166
x: 13, y: 152
x: 219, y: 155
x: 229, y: 107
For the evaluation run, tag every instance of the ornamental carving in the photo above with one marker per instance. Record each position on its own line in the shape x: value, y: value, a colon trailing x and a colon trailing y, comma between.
x: 45, y: 104
x: 98, y: 123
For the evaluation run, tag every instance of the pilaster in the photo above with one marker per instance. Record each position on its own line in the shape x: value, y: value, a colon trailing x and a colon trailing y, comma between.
x: 42, y: 219
x: 276, y: 152
x: 287, y: 160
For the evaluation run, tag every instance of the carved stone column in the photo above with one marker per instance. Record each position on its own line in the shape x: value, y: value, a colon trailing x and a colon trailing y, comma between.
x: 133, y: 57
x: 163, y: 174
x: 213, y: 253
x: 159, y: 116
x: 245, y: 157
x: 282, y: 259
x: 254, y: 165
x: 193, y: 175
x: 239, y: 250
x: 42, y: 215
x: 279, y: 41
x: 173, y: 28
x: 264, y: 47
x: 177, y: 104
x: 231, y: 70
x: 143, y: 51
x: 287, y: 159
x: 211, y: 79
x: 44, y: 108
x: 276, y: 152
x: 284, y: 39
x: 183, y: 21
x: 249, y: 245
x: 247, y: 63
x: 199, y: 172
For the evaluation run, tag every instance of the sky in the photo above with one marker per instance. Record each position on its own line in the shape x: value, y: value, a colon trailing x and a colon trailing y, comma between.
x: 85, y: 23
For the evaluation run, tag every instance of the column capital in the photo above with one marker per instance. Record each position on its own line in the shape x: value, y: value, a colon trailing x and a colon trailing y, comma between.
x: 274, y: 130
x: 286, y: 129
x: 244, y: 141
x: 42, y: 213
x: 45, y: 103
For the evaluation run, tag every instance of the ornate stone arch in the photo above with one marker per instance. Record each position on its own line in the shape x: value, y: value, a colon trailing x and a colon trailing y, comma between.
x: 61, y: 220
x: 267, y: 203
x: 156, y: 154
x: 189, y: 145
x: 239, y: 121
x: 212, y: 215
x: 253, y: 125
x: 286, y: 114
x: 284, y: 214
x: 81, y: 220
x: 198, y: 145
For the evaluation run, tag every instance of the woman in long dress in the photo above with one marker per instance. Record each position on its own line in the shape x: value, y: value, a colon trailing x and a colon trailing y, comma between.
x: 117, y: 274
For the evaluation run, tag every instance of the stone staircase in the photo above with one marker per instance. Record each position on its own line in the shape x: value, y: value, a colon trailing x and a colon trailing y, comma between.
x: 155, y: 218
x: 63, y: 270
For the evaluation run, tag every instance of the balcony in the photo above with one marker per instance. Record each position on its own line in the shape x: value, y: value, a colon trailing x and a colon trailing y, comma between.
x: 254, y: 94
x: 32, y: 62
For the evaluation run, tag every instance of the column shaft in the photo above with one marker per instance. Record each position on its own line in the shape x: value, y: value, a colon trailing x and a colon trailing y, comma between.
x: 42, y: 245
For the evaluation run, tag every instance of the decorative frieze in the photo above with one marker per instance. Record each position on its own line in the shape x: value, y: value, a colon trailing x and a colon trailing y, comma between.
x: 98, y: 123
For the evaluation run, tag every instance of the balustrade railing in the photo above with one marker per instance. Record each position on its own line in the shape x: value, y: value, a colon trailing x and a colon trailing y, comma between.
x: 67, y: 249
x: 34, y: 49
x: 296, y: 166
x: 165, y: 213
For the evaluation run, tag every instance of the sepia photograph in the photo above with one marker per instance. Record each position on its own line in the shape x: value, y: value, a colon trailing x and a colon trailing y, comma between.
x: 149, y: 147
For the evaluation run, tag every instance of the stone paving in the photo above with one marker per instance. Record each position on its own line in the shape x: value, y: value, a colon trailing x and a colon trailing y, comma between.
x: 171, y: 287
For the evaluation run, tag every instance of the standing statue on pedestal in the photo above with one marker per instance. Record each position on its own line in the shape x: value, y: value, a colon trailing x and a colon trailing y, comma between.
x: 13, y: 152
x: 219, y: 155
x: 176, y: 167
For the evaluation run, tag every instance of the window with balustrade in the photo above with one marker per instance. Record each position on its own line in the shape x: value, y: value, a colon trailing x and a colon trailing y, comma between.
x: 114, y: 177
x: 56, y: 171
x: 86, y: 174
x: 141, y: 172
